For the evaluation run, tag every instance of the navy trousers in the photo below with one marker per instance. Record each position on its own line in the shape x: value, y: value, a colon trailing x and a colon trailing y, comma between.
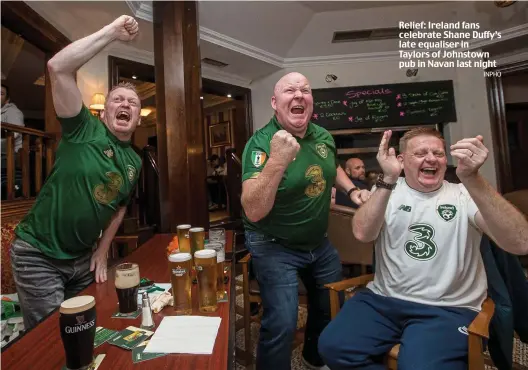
x: 369, y: 325
x: 277, y: 269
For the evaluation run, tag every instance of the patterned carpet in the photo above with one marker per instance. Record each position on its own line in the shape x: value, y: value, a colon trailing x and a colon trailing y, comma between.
x: 520, y: 355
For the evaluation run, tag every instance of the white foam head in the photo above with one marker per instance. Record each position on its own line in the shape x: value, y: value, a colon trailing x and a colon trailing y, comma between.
x: 183, y: 226
x: 179, y: 257
x: 205, y: 253
x: 196, y: 229
x: 127, y: 275
x: 77, y: 304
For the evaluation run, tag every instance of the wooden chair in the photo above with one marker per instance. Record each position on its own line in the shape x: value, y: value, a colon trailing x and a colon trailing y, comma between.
x: 476, y: 331
x: 251, y: 294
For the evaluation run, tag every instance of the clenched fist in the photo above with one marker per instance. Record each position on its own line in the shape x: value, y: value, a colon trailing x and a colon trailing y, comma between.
x: 284, y: 147
x: 125, y: 28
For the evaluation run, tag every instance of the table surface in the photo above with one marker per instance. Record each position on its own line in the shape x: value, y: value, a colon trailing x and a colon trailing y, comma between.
x: 42, y: 347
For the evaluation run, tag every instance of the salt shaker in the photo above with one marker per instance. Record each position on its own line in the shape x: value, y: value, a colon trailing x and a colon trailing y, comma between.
x: 147, y: 322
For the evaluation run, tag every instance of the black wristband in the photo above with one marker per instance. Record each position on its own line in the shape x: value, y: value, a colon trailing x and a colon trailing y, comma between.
x: 351, y: 190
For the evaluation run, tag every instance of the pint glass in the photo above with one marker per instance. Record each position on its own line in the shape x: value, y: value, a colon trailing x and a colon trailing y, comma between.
x: 127, y: 285
x: 180, y: 269
x: 205, y: 261
x: 220, y: 258
x: 77, y: 328
x: 183, y: 238
x: 197, y: 236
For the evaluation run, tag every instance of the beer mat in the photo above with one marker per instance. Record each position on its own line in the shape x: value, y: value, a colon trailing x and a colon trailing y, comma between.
x: 132, y: 315
x: 130, y: 337
x: 103, y: 335
x: 95, y: 364
x: 138, y: 354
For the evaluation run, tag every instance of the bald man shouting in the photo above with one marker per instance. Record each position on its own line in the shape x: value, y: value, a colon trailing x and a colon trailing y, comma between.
x: 289, y: 168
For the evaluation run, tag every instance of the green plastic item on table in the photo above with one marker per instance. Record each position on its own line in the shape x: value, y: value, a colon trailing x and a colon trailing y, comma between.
x: 10, y: 309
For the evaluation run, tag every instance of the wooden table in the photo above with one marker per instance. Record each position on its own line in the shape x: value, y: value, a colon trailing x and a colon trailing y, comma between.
x: 42, y: 348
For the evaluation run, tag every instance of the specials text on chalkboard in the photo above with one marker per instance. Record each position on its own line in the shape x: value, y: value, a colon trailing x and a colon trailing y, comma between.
x: 384, y: 105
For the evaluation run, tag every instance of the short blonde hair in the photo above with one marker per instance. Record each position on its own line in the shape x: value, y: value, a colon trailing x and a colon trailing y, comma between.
x: 124, y: 85
x: 419, y: 131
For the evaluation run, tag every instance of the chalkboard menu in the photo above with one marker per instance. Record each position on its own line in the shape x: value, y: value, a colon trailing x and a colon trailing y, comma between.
x: 384, y: 105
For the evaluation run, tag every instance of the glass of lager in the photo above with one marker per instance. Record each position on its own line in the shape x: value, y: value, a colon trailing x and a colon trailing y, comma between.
x: 197, y: 236
x: 220, y: 258
x: 180, y: 265
x: 183, y: 238
x: 205, y: 261
x: 127, y: 286
x: 77, y: 327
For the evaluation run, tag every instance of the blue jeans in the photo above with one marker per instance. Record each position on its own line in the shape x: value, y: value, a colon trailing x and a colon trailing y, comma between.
x: 276, y: 269
x: 369, y: 325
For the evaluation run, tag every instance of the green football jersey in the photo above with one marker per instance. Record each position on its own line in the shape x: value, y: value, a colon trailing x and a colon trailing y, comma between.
x: 299, y: 217
x: 93, y: 176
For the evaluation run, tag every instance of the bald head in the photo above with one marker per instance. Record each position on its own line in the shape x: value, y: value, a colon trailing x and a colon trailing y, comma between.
x: 287, y: 79
x: 355, y: 169
x: 292, y: 102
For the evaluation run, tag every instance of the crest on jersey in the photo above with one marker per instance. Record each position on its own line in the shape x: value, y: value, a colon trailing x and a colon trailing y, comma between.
x: 446, y: 211
x: 131, y: 173
x: 258, y: 158
x: 322, y: 150
x: 109, y: 152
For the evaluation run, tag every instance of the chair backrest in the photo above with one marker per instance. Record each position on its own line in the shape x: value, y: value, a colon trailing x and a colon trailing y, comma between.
x: 351, y: 251
x: 519, y: 199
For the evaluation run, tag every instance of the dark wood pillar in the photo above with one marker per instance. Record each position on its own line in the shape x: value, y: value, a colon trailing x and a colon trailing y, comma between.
x: 181, y: 155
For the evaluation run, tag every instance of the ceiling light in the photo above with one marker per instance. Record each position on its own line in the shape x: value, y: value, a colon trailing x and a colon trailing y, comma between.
x: 134, y: 77
x: 201, y: 97
x: 228, y: 95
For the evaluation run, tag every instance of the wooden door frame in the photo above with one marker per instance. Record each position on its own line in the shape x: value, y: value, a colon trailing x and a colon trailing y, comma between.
x: 499, y: 124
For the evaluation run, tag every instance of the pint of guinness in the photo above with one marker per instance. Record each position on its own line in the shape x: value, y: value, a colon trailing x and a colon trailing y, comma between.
x: 77, y: 328
x: 127, y: 286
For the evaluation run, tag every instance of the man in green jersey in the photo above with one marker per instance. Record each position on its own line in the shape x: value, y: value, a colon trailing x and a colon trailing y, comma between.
x: 289, y: 168
x: 84, y: 199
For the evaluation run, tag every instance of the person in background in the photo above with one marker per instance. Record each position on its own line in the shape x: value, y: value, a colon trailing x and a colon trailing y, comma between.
x: 370, y: 178
x: 430, y: 281
x: 288, y: 169
x: 11, y: 114
x: 63, y: 242
x: 355, y: 169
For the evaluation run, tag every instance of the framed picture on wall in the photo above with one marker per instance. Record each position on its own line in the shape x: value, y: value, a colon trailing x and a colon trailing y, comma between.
x: 220, y: 134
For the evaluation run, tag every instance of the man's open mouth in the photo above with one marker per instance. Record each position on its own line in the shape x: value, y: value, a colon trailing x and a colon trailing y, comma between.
x: 123, y: 116
x: 429, y: 171
x: 297, y: 109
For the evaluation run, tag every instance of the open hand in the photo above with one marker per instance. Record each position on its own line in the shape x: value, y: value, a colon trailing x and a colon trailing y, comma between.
x: 125, y: 28
x: 390, y: 165
x: 283, y: 147
x: 99, y: 264
x: 471, y: 155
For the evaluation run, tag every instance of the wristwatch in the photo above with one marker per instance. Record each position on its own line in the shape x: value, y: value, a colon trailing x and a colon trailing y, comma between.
x: 382, y: 184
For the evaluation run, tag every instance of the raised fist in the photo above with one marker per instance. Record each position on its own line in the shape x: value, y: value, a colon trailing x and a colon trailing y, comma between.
x: 125, y: 28
x: 284, y: 147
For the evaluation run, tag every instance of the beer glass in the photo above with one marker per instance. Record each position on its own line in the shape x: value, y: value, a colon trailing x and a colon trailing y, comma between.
x: 220, y: 258
x: 205, y: 261
x: 127, y: 286
x: 180, y: 269
x: 197, y: 236
x: 77, y: 327
x: 183, y: 238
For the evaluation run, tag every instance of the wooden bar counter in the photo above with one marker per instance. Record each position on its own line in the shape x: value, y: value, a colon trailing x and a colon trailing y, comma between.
x: 42, y: 348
